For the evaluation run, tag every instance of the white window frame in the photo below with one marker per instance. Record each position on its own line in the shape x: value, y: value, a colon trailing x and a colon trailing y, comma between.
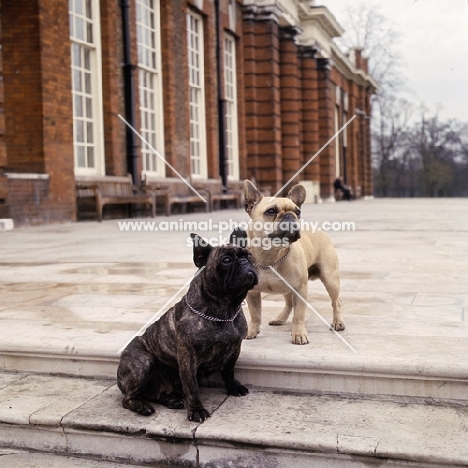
x: 196, y: 81
x: 150, y: 86
x: 337, y: 143
x: 231, y: 117
x: 337, y: 129
x: 232, y: 14
x: 85, y: 39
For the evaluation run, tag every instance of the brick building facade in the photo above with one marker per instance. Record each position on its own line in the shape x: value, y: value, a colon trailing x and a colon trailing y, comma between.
x: 260, y: 79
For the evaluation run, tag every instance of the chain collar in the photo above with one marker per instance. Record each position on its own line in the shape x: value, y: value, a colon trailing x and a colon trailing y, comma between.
x: 263, y: 267
x: 213, y: 319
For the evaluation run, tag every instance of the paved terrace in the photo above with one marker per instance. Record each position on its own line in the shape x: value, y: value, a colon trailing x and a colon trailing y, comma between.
x: 72, y: 295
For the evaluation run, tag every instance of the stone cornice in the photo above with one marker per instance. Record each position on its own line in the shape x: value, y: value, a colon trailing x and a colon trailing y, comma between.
x: 326, y: 19
x: 346, y: 67
x: 262, y: 13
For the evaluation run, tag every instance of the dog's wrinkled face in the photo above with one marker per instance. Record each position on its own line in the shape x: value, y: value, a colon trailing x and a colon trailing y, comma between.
x: 279, y: 216
x: 228, y: 269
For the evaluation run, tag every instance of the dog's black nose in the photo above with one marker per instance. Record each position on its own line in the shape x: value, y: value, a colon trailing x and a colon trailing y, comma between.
x: 288, y: 217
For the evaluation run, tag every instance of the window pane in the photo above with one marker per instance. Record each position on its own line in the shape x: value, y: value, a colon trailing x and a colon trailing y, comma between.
x: 89, y: 132
x: 89, y: 108
x: 88, y: 82
x: 80, y: 156
x: 76, y: 55
x: 89, y: 11
x: 87, y: 59
x: 79, y: 28
x: 77, y: 83
x: 79, y: 127
x: 78, y: 106
x: 79, y: 7
x: 89, y: 28
x: 90, y: 158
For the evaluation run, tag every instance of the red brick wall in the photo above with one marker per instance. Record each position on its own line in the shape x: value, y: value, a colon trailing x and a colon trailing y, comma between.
x: 38, y: 104
x: 291, y: 98
x: 112, y: 86
x: 4, y: 212
x: 263, y: 100
x: 57, y: 124
x: 326, y: 105
x: 309, y: 114
x: 22, y: 85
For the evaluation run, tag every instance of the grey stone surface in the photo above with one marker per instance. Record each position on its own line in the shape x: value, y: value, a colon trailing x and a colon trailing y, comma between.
x: 41, y: 460
x: 38, y: 398
x: 71, y: 295
x: 330, y: 430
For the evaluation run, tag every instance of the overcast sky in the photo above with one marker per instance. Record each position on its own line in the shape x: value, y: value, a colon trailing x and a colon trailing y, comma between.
x: 434, y: 47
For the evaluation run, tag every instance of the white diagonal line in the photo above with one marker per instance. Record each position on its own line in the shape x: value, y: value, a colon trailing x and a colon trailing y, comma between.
x: 162, y: 159
x: 314, y: 156
x: 313, y: 310
x: 160, y: 312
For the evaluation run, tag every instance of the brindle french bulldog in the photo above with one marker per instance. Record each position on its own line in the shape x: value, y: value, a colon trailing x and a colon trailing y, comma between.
x: 196, y: 337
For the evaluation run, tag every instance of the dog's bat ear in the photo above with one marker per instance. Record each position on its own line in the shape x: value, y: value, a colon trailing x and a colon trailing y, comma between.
x: 238, y: 237
x: 297, y: 194
x: 201, y: 250
x: 252, y: 196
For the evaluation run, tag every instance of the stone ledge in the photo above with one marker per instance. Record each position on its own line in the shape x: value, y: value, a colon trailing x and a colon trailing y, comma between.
x: 85, y: 418
x: 271, y: 362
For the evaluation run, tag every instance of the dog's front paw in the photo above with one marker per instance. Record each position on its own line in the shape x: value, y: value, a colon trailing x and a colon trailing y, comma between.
x: 198, y: 414
x: 139, y: 406
x: 299, y: 336
x: 253, y: 331
x: 237, y: 389
x: 338, y: 325
x: 171, y: 400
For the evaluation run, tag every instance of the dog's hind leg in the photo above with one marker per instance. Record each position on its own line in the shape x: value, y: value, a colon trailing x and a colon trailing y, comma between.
x: 164, y: 387
x: 284, y: 314
x: 331, y: 281
x: 132, y: 375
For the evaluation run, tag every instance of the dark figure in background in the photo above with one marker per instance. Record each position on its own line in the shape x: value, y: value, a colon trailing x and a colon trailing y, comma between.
x: 343, y: 188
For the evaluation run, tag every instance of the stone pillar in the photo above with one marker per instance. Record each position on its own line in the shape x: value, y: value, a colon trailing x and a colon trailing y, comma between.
x: 262, y: 95
x: 326, y: 103
x: 38, y: 103
x: 290, y: 91
x: 368, y: 185
x: 309, y: 113
x: 4, y: 212
x: 353, y: 137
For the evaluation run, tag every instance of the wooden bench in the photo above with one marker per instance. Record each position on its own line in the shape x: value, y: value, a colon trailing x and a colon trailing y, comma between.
x: 174, y: 191
x: 217, y: 194
x: 112, y: 190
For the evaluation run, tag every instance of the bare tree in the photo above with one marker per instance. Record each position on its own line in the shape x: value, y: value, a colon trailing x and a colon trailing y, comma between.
x: 413, y: 155
x: 438, y: 147
x: 390, y: 139
x: 368, y: 29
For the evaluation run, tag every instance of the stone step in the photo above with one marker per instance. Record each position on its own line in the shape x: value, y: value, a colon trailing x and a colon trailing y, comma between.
x: 411, y: 366
x: 83, y: 419
x: 16, y: 459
